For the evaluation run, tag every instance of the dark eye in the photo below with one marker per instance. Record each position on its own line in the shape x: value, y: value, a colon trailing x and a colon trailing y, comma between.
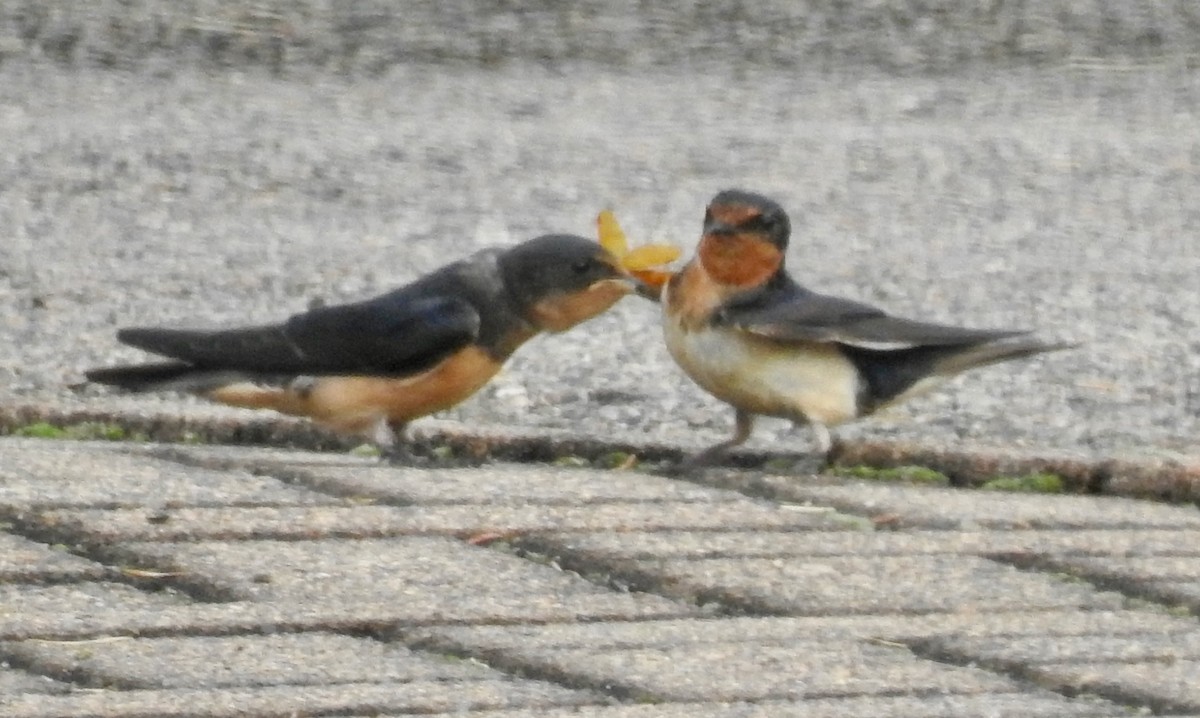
x: 583, y: 266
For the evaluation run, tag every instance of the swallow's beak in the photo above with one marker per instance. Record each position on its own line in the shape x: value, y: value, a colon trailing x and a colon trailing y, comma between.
x: 620, y: 280
x: 647, y: 290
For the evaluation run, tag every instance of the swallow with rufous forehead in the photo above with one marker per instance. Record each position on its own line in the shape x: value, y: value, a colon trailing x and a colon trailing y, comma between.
x: 750, y: 335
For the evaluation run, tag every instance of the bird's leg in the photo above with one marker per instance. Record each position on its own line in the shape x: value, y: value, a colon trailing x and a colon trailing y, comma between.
x: 821, y: 435
x: 744, y: 424
x: 393, y: 445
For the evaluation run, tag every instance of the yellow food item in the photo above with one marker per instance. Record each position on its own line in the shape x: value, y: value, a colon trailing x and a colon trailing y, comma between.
x: 642, y: 262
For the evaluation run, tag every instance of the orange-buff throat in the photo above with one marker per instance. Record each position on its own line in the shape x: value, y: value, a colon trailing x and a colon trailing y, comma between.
x: 739, y: 260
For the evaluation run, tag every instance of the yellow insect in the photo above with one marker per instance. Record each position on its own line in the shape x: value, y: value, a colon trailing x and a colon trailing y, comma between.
x: 642, y: 262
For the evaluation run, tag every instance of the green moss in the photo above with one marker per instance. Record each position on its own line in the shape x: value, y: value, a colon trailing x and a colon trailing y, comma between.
x: 98, y: 430
x: 1037, y: 483
x: 369, y: 450
x: 573, y: 462
x: 906, y: 474
x: 444, y: 452
x: 84, y: 430
x: 40, y: 430
x: 614, y: 459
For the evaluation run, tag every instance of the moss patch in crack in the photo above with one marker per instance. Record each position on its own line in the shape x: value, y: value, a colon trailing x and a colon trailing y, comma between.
x: 910, y: 474
x: 86, y: 430
x: 1037, y: 483
x: 40, y: 430
x: 572, y: 462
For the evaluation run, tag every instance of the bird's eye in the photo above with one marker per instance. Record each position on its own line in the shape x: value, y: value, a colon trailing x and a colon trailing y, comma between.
x: 583, y: 266
x: 768, y: 222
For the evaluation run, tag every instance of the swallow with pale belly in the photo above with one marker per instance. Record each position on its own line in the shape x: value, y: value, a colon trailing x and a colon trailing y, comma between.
x: 747, y: 333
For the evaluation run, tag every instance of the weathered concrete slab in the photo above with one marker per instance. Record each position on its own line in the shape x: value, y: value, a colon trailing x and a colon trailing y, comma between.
x: 61, y: 473
x: 78, y: 609
x: 85, y: 611
x: 1169, y: 687
x: 1004, y: 625
x: 757, y: 672
x: 13, y: 681
x: 874, y: 622
x: 1185, y: 593
x: 838, y: 585
x: 438, y: 572
x: 495, y: 484
x: 1098, y: 648
x: 946, y: 508
x: 370, y: 698
x: 1140, y: 569
x: 25, y: 560
x: 314, y: 522
x: 239, y: 661
x: 988, y: 705
x: 864, y: 542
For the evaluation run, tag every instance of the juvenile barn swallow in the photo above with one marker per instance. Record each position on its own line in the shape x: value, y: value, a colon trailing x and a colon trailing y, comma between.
x: 746, y: 332
x: 370, y: 367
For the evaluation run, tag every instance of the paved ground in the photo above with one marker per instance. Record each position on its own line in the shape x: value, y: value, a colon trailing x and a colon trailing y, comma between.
x: 156, y: 580
x: 1030, y: 164
x: 1054, y: 199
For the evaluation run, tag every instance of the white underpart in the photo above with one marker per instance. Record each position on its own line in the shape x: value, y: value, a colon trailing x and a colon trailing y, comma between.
x: 810, y: 382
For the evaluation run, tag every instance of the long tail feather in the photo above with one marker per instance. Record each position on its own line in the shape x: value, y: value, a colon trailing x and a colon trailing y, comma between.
x: 163, y: 376
x: 994, y: 352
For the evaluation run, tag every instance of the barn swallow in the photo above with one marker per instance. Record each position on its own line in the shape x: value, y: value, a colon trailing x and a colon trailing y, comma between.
x: 370, y: 367
x: 746, y: 332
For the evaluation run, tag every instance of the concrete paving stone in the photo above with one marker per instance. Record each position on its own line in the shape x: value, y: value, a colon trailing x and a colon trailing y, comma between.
x: 499, y: 484
x: 1029, y: 650
x: 1185, y: 593
x: 774, y: 544
x: 455, y: 697
x: 751, y: 671
x: 17, y: 681
x: 947, y: 508
x: 905, y: 584
x: 311, y: 522
x: 81, y: 609
x: 30, y: 561
x: 224, y: 456
x: 88, y: 611
x: 439, y: 573
x: 1169, y: 687
x: 672, y: 633
x: 54, y: 473
x: 1040, y: 704
x: 239, y: 661
x: 1137, y: 569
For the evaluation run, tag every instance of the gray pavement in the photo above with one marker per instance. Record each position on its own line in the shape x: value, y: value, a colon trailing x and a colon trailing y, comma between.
x: 1055, y: 197
x: 217, y: 161
x: 175, y: 580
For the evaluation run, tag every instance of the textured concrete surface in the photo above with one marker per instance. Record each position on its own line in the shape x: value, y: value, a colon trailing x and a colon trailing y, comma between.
x: 1009, y: 182
x: 211, y: 162
x: 297, y: 595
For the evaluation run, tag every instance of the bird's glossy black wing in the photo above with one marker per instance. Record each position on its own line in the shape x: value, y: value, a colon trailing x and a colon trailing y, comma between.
x: 395, y: 334
x: 796, y: 314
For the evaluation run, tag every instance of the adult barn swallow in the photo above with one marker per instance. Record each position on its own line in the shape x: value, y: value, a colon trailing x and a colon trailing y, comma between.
x: 370, y: 367
x: 746, y: 332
